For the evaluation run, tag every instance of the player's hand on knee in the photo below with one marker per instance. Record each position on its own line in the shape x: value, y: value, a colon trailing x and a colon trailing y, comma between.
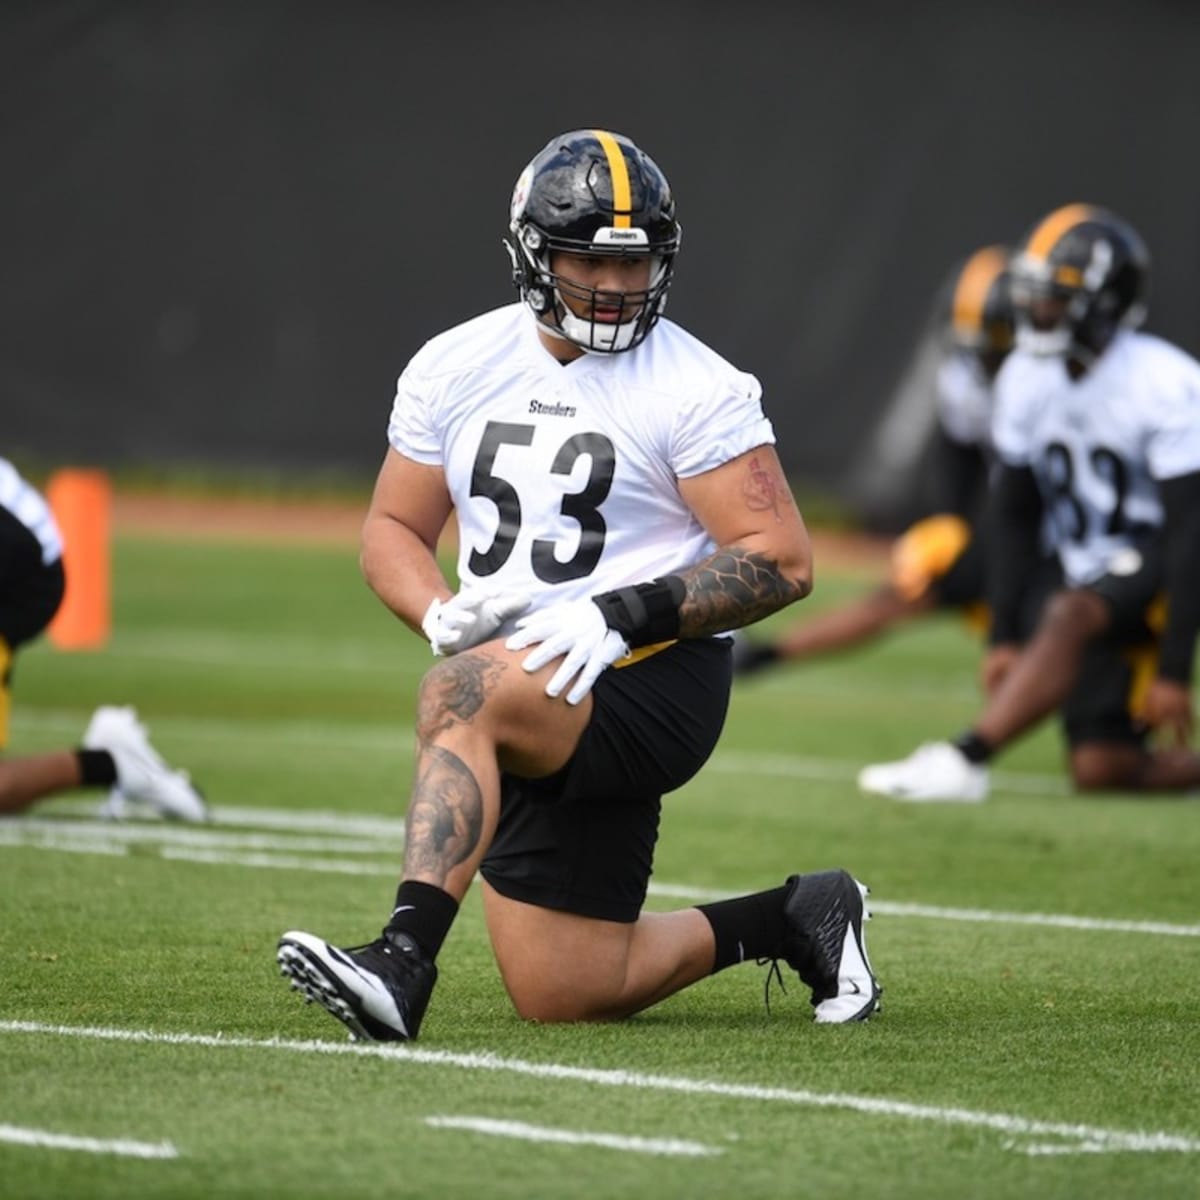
x: 1167, y: 707
x: 468, y: 618
x: 576, y: 632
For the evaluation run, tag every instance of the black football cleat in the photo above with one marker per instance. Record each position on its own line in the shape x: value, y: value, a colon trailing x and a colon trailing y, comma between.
x: 378, y: 991
x: 825, y: 945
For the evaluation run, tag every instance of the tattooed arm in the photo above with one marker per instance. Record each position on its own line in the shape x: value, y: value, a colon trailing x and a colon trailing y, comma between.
x: 763, y: 559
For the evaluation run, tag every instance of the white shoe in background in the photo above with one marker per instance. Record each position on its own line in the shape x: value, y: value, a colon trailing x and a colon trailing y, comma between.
x: 934, y: 772
x: 142, y: 775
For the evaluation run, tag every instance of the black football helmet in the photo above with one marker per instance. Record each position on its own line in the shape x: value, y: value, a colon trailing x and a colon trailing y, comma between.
x: 981, y: 310
x: 1092, y: 261
x: 591, y: 192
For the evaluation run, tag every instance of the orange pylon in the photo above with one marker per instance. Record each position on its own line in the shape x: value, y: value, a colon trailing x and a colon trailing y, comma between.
x: 81, y: 500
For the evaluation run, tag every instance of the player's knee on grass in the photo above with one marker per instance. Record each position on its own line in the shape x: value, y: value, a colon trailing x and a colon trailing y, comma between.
x: 1103, y: 767
x: 574, y: 990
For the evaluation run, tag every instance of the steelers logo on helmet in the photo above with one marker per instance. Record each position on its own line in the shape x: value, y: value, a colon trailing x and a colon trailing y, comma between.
x: 520, y: 196
x: 592, y: 193
x: 1080, y: 276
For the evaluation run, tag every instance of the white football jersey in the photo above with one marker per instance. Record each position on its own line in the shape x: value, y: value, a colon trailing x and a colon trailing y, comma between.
x: 27, y: 505
x: 564, y: 478
x: 964, y: 400
x: 1098, y: 445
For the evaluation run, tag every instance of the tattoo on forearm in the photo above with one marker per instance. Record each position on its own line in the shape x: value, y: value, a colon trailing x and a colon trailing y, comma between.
x: 731, y: 588
x: 445, y: 816
x: 763, y: 491
x: 454, y: 691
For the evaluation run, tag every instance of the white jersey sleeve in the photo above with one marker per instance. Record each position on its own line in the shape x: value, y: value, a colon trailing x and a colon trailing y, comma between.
x: 726, y: 422
x: 964, y: 400
x: 409, y: 430
x: 1171, y: 409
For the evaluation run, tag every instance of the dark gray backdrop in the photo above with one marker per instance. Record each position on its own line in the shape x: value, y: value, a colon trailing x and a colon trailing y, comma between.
x: 225, y: 226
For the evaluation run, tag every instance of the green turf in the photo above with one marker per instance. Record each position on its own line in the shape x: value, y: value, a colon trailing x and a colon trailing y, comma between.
x: 274, y: 675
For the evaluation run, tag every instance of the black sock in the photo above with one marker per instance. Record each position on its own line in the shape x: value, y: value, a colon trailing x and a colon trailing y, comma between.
x: 425, y: 913
x: 748, y: 928
x: 96, y: 768
x: 974, y: 748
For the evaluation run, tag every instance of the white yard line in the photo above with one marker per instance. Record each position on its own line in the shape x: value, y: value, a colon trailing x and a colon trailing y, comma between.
x: 382, y: 838
x: 283, y: 862
x: 399, y: 739
x: 125, y: 1147
x: 1023, y: 1133
x: 164, y: 833
x: 805, y: 767
x: 573, y: 1137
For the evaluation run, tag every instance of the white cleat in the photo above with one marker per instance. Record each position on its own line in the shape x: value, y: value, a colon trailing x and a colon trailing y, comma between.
x: 142, y: 775
x: 935, y: 772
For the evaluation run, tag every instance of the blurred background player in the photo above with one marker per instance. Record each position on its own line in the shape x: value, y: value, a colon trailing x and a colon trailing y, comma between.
x: 1097, y: 430
x: 939, y: 561
x: 115, y: 751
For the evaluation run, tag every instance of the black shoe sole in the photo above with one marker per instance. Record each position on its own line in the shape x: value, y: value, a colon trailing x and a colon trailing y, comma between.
x: 310, y: 977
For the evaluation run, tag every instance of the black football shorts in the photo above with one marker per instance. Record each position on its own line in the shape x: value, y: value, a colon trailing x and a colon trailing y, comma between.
x: 1118, y: 667
x: 582, y: 840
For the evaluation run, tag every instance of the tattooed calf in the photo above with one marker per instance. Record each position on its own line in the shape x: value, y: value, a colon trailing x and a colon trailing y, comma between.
x: 445, y: 817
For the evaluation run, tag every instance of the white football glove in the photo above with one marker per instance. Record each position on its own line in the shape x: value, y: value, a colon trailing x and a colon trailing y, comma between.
x: 576, y: 632
x: 468, y: 618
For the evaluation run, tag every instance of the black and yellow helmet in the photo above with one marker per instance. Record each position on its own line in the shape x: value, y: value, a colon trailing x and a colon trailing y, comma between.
x: 981, y: 311
x: 1096, y: 264
x: 591, y: 192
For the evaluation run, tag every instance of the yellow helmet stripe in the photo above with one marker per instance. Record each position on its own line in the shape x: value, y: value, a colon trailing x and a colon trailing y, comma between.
x: 971, y: 292
x: 622, y: 196
x: 1045, y: 237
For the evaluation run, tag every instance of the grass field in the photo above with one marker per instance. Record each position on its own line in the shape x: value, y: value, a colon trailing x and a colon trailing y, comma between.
x: 1040, y: 953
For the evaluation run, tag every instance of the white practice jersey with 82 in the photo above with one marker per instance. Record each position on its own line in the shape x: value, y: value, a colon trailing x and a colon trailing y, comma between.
x: 1099, y: 445
x: 564, y: 478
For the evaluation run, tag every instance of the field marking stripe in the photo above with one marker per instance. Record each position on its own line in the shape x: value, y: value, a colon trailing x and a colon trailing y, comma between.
x: 1043, y: 1149
x: 895, y: 908
x: 289, y: 820
x: 1111, y: 1139
x: 69, y: 844
x: 174, y: 833
x: 1055, y: 920
x: 399, y: 739
x: 196, y: 844
x: 126, y: 1147
x: 571, y: 1137
x: 803, y: 766
x: 284, y: 862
